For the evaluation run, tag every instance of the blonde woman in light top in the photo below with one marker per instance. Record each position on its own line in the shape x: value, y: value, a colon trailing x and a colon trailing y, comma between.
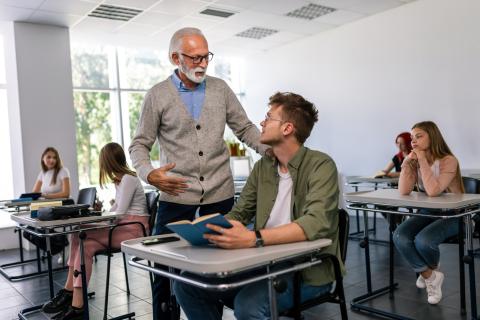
x: 129, y: 200
x: 433, y: 168
x: 53, y: 181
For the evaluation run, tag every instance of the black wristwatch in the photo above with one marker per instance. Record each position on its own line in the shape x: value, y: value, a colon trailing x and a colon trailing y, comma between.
x: 259, y: 241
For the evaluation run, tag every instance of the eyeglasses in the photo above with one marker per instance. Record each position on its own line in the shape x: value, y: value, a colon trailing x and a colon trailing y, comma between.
x: 198, y: 59
x: 267, y: 118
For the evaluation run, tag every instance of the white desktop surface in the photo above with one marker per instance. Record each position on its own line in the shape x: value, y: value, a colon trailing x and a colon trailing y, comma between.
x: 360, y: 179
x: 25, y: 219
x: 213, y: 260
x: 391, y: 197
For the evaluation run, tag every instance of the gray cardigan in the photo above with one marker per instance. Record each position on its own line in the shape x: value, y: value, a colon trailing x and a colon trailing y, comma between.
x: 197, y: 148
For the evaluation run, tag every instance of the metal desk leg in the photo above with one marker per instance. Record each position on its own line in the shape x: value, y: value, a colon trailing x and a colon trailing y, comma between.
x: 83, y: 272
x: 469, y: 259
x: 272, y: 296
x: 461, y: 253
x: 357, y: 303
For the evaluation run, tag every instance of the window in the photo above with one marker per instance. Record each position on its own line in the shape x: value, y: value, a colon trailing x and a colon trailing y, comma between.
x: 109, y: 86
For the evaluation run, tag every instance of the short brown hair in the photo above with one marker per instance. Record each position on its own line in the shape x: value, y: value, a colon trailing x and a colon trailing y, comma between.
x: 297, y: 110
x: 113, y: 164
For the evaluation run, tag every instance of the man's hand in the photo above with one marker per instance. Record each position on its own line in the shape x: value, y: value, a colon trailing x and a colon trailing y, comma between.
x: 234, y: 238
x: 168, y: 184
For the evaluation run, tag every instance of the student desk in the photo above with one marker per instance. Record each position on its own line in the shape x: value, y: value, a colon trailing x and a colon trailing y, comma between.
x: 368, y: 183
x: 209, y: 267
x: 9, y: 207
x: 48, y: 229
x: 449, y: 206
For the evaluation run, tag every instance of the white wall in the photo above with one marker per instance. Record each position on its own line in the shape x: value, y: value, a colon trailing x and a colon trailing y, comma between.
x: 376, y: 77
x: 40, y: 101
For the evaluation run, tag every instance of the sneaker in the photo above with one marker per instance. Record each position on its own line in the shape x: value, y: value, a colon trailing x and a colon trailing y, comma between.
x: 434, y: 287
x: 420, y: 282
x: 72, y: 314
x: 61, y: 301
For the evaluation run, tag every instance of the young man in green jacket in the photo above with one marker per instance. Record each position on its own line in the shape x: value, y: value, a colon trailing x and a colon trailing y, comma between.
x: 291, y: 197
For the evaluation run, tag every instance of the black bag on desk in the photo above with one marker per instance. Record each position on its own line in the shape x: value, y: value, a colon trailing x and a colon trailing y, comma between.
x: 63, y: 212
x: 57, y: 243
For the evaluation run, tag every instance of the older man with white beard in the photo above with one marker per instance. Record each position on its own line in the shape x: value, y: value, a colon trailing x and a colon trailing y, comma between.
x: 187, y: 113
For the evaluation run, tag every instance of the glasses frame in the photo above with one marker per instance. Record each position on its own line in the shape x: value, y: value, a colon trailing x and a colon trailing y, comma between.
x: 267, y: 118
x: 198, y: 59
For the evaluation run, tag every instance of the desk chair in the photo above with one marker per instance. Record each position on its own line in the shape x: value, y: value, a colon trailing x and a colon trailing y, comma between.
x: 338, y: 294
x: 152, y: 200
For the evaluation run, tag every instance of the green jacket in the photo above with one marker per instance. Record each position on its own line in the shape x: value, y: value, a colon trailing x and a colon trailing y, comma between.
x: 314, y: 202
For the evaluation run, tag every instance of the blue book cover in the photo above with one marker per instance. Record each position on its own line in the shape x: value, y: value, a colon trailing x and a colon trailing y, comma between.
x: 193, y: 231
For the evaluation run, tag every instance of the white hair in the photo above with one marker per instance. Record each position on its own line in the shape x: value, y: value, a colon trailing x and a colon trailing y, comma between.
x: 177, y: 38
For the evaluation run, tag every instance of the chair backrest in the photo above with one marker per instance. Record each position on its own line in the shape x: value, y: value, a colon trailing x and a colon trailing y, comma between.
x: 87, y: 196
x: 471, y: 185
x: 152, y: 206
x: 343, y: 231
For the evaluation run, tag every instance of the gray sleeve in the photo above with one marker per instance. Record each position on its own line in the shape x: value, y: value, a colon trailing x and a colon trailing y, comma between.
x: 145, y: 137
x: 241, y: 126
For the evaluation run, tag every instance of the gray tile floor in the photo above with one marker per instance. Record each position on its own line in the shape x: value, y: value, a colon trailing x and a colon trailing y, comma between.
x: 408, y: 300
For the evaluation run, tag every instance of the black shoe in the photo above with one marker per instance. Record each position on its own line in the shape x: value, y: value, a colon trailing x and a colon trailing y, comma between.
x: 61, y: 301
x: 72, y: 314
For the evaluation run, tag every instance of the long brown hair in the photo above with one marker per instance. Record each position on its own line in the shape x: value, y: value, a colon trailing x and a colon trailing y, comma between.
x: 438, y: 147
x: 58, y: 164
x: 113, y: 164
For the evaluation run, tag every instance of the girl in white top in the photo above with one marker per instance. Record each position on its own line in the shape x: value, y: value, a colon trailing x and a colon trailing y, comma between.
x: 54, y: 180
x: 130, y: 200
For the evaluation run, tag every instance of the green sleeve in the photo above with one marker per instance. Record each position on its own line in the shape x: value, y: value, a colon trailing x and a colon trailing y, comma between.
x: 319, y: 218
x: 246, y: 207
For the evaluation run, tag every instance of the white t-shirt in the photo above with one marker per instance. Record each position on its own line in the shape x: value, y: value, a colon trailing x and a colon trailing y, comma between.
x: 130, y: 197
x: 46, y: 178
x: 280, y: 214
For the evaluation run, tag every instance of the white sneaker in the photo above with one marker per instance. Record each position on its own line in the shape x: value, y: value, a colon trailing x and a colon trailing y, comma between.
x: 420, y: 282
x: 434, y: 287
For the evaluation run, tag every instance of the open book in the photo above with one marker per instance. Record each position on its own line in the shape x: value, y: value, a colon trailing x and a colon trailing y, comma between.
x: 193, y: 231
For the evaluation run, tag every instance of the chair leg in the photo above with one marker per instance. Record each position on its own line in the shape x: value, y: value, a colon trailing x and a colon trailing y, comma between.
x: 126, y: 273
x: 109, y: 256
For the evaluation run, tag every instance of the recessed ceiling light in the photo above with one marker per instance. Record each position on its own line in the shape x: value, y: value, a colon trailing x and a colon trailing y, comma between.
x: 310, y: 11
x: 104, y: 11
x: 256, y: 33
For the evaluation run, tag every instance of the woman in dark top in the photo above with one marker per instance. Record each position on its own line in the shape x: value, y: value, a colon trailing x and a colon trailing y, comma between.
x: 404, y: 144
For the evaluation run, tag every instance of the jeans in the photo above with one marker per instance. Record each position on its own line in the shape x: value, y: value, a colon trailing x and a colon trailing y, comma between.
x: 417, y: 239
x: 250, y: 302
x: 170, y: 212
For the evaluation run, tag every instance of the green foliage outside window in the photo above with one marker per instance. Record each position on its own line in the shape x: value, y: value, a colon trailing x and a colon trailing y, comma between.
x: 92, y: 113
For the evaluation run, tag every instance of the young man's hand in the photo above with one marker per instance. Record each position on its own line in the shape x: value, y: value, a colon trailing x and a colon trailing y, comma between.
x: 234, y: 238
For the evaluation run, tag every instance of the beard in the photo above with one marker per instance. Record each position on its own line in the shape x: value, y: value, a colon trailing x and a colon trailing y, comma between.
x: 190, y: 72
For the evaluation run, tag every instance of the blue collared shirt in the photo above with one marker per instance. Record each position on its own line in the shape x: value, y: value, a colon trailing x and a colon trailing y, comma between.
x: 192, y: 98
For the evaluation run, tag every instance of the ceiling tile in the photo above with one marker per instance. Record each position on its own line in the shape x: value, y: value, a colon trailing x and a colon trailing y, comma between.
x: 14, y: 14
x: 338, y: 4
x: 339, y: 17
x: 285, y: 37
x: 238, y: 42
x: 156, y: 19
x: 75, y: 7
x: 93, y: 25
x: 280, y: 7
x: 137, y: 4
x: 133, y: 28
x: 202, y: 24
x: 53, y: 18
x: 180, y: 7
x: 245, y: 4
x: 30, y: 4
x: 375, y: 6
